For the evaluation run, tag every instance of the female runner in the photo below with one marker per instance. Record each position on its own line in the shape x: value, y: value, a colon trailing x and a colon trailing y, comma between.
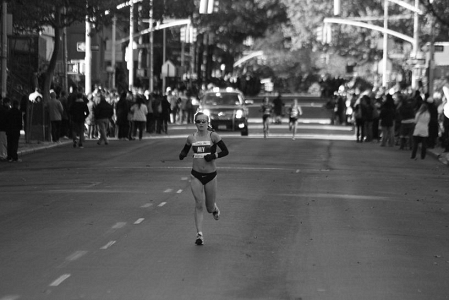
x: 295, y: 111
x: 204, y: 171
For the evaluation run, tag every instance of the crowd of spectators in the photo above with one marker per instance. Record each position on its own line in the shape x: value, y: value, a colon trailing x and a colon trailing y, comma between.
x: 401, y: 118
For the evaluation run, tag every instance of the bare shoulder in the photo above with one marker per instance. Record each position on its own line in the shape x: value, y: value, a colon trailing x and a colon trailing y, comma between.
x: 215, y: 137
x: 190, y: 139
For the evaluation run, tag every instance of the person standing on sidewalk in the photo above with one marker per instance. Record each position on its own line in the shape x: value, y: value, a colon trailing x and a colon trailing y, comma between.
x: 421, y: 132
x: 14, y: 125
x: 4, y: 108
x: 103, y: 113
x: 140, y: 111
x: 55, y: 111
x: 78, y: 113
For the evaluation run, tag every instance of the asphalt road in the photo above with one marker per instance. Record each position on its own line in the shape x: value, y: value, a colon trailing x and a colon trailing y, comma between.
x: 304, y: 219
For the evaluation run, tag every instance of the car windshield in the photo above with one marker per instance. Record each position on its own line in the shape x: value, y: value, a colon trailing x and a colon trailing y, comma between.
x: 222, y: 99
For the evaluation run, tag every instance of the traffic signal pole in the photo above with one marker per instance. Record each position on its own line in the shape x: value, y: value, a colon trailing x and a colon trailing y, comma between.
x: 4, y: 47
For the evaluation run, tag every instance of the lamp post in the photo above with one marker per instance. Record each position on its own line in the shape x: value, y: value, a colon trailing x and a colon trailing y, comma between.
x: 431, y: 70
x: 88, y: 58
x: 4, y: 47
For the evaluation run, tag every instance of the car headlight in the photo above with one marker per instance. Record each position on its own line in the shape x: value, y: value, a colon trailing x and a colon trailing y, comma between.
x: 206, y: 112
x: 239, y: 114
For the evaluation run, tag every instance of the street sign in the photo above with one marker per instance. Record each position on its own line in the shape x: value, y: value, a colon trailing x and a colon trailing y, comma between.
x: 81, y: 47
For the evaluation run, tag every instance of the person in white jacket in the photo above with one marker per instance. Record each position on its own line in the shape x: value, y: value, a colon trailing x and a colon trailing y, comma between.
x: 421, y: 131
x: 139, y: 118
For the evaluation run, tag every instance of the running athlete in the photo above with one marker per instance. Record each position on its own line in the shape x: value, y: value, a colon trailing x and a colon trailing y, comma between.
x: 295, y: 111
x: 267, y: 110
x: 204, y: 172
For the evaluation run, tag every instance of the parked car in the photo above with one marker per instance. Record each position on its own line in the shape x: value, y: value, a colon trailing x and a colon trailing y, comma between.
x: 226, y: 109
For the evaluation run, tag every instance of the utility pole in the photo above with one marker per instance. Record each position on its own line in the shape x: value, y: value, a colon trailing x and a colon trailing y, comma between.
x: 4, y: 47
x: 65, y: 85
x: 88, y: 58
x: 150, y: 50
x: 113, y: 54
x: 385, y: 46
x: 431, y: 69
x: 131, y: 47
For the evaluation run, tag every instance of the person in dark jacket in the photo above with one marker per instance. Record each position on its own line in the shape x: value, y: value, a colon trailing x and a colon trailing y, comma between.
x: 121, y: 111
x: 4, y: 108
x: 78, y: 112
x: 387, y: 116
x: 13, y: 127
x: 103, y: 113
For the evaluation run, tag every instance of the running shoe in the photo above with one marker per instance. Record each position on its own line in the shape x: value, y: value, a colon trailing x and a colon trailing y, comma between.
x: 199, y: 239
x: 216, y: 213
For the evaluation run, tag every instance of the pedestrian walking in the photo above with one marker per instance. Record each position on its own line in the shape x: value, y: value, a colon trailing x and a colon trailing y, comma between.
x: 13, y: 127
x: 267, y: 111
x: 55, y: 111
x: 140, y: 112
x: 359, y: 120
x: 421, y: 131
x: 203, y: 181
x: 121, y: 111
x: 4, y: 108
x: 294, y: 112
x: 78, y: 113
x: 433, y: 123
x: 103, y: 113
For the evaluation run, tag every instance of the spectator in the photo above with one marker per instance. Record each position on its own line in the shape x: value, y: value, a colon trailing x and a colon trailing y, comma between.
x: 103, y: 113
x: 407, y: 120
x: 140, y: 112
x: 165, y: 114
x: 55, y: 111
x: 150, y: 114
x: 90, y: 120
x: 13, y: 127
x: 359, y: 120
x: 4, y: 108
x: 121, y: 111
x: 278, y: 108
x: 368, y: 115
x: 387, y: 117
x: 78, y: 113
x: 421, y: 131
x: 433, y: 123
x: 65, y: 116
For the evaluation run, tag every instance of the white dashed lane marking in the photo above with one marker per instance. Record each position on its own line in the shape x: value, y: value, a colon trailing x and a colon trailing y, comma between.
x: 60, y: 280
x: 168, y: 190
x: 76, y: 255
x: 147, y: 205
x: 179, y: 192
x: 162, y: 204
x: 140, y: 220
x: 107, y: 245
x: 119, y: 225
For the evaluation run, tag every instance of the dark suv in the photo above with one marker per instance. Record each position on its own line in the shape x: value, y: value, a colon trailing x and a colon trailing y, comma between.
x: 226, y: 109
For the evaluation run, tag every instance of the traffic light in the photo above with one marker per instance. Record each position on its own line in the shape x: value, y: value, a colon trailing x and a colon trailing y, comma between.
x: 208, y: 6
x: 319, y: 33
x: 183, y: 34
x: 337, y: 7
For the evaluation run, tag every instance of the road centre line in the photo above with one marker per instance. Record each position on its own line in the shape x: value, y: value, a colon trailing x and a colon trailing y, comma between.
x: 60, y: 280
x: 147, y: 205
x: 162, y: 204
x: 109, y: 244
x: 168, y: 190
x: 179, y: 192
